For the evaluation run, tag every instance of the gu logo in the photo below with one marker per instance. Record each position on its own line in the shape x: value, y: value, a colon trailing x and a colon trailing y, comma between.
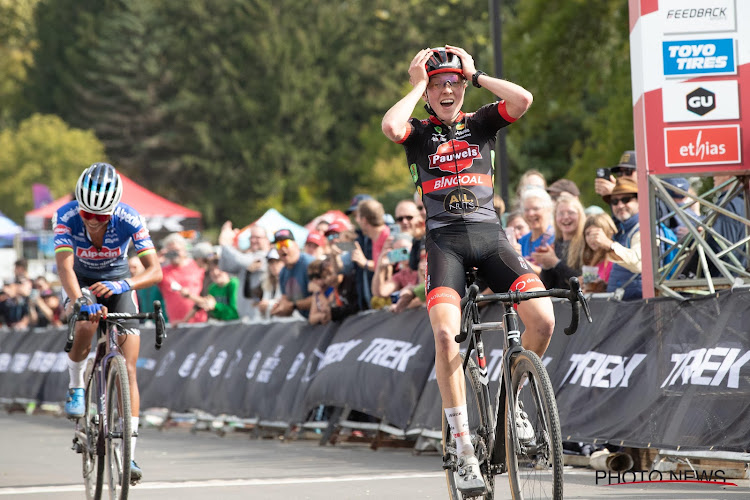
x: 700, y: 101
x: 454, y: 156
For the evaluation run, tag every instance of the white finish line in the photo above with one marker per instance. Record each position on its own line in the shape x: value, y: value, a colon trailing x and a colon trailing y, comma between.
x: 213, y: 483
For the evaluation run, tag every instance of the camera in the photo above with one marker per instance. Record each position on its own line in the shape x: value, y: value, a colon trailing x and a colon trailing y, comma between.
x: 603, y: 173
x: 398, y: 255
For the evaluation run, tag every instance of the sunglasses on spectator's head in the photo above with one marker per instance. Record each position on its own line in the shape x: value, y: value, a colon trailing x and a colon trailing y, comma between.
x: 401, y: 218
x: 99, y: 217
x: 624, y: 199
x: 282, y: 244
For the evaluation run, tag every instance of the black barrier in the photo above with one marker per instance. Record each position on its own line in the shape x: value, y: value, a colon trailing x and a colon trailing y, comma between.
x: 657, y: 373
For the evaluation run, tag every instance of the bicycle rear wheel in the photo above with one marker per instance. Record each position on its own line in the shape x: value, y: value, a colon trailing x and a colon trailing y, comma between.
x: 92, y: 455
x: 535, y: 468
x: 480, y: 423
x: 119, y: 429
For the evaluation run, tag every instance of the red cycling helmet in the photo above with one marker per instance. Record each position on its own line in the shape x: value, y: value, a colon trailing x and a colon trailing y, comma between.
x: 443, y: 62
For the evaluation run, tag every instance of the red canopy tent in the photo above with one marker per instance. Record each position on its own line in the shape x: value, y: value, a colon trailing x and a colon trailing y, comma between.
x: 161, y: 214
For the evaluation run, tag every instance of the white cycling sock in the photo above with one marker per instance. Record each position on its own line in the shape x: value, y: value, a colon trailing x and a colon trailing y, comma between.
x: 458, y: 419
x: 76, y: 370
x: 134, y: 428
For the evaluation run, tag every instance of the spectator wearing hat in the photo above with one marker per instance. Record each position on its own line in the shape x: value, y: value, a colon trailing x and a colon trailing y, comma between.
x: 688, y: 206
x: 249, y: 265
x: 293, y: 278
x: 625, y: 168
x: 624, y: 250
x: 356, y: 201
x: 563, y: 186
x: 316, y: 245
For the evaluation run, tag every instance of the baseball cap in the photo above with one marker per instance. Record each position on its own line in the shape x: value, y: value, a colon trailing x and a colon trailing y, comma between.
x: 355, y: 201
x: 273, y: 254
x: 564, y: 186
x: 282, y: 234
x: 316, y: 237
x: 335, y: 227
x: 627, y: 160
x: 678, y: 182
x: 46, y: 293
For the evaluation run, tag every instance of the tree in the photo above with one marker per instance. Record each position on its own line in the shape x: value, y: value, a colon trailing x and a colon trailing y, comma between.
x: 42, y: 149
x: 16, y: 44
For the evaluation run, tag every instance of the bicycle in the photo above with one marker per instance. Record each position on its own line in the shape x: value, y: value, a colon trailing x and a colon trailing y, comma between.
x: 105, y: 429
x: 535, y: 465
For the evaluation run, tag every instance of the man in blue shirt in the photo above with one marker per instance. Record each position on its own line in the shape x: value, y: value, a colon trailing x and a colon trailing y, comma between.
x: 293, y: 278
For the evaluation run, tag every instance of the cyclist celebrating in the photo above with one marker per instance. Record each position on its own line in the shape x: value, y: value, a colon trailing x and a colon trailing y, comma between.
x: 92, y: 234
x: 449, y: 158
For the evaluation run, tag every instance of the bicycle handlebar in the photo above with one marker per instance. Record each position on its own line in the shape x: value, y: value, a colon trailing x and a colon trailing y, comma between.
x: 156, y: 316
x: 574, y: 295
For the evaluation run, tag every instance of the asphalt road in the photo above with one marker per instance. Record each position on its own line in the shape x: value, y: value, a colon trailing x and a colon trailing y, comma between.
x: 36, y: 462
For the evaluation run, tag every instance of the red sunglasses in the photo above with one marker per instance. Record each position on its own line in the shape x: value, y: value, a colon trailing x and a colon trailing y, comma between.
x: 99, y: 217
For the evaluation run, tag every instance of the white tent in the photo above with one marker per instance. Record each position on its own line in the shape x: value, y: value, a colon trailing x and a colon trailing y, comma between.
x: 272, y: 221
x: 8, y: 228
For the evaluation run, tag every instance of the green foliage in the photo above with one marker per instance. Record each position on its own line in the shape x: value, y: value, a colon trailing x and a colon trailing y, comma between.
x: 42, y: 149
x: 16, y: 44
x: 236, y: 106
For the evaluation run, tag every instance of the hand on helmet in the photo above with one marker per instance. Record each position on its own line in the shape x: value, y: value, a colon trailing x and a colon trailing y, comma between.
x: 417, y: 70
x: 467, y: 62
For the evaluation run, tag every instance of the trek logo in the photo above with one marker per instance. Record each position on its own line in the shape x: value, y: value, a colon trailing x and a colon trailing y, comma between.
x: 699, y: 57
x: 702, y: 145
x: 714, y: 367
x: 453, y: 181
x: 454, y: 156
x: 389, y: 353
x: 595, y: 369
x: 92, y: 253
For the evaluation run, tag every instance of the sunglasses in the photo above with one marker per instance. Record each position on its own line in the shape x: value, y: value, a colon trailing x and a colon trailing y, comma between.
x: 624, y: 199
x: 622, y: 172
x: 89, y: 216
x: 333, y: 236
x: 438, y: 82
x: 282, y: 244
x: 404, y: 217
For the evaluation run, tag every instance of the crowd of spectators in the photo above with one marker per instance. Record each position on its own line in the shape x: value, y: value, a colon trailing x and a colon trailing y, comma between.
x: 375, y: 260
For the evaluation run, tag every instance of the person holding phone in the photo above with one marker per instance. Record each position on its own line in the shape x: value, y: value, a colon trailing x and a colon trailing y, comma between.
x: 392, y: 272
x: 606, y: 178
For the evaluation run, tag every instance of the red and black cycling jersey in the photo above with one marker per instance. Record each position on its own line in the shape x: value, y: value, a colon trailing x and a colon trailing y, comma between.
x: 452, y: 167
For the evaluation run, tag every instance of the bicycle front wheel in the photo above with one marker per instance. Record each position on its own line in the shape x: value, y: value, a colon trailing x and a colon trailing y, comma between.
x: 118, y: 429
x: 480, y: 424
x: 91, y: 453
x: 535, y: 466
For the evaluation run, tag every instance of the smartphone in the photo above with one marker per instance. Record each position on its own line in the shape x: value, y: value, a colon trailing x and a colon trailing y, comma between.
x: 398, y: 255
x: 345, y: 246
x: 603, y: 173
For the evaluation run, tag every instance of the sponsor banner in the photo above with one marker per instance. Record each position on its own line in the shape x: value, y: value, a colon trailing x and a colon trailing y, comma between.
x: 709, y: 145
x: 657, y: 373
x: 698, y: 16
x: 454, y: 156
x: 688, y: 102
x: 454, y: 181
x: 683, y: 58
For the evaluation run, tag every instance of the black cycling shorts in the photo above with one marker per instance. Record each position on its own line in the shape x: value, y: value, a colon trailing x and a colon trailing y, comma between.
x: 121, y: 303
x: 452, y: 250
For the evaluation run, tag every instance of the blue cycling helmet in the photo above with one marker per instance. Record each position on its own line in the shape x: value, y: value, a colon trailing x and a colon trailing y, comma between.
x: 99, y: 189
x: 443, y: 62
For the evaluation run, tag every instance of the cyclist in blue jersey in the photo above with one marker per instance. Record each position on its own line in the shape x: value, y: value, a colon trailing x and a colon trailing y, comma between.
x: 449, y: 158
x: 92, y: 235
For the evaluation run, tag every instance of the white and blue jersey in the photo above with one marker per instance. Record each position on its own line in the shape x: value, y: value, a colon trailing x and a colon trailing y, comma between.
x: 110, y: 262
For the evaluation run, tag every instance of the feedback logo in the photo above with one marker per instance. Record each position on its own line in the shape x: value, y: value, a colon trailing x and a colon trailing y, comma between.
x: 702, y: 145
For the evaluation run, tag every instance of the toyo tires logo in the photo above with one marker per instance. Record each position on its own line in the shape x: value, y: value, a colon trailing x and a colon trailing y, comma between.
x: 454, y: 156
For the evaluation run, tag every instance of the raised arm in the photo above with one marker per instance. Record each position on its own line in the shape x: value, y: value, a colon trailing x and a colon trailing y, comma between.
x: 396, y: 120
